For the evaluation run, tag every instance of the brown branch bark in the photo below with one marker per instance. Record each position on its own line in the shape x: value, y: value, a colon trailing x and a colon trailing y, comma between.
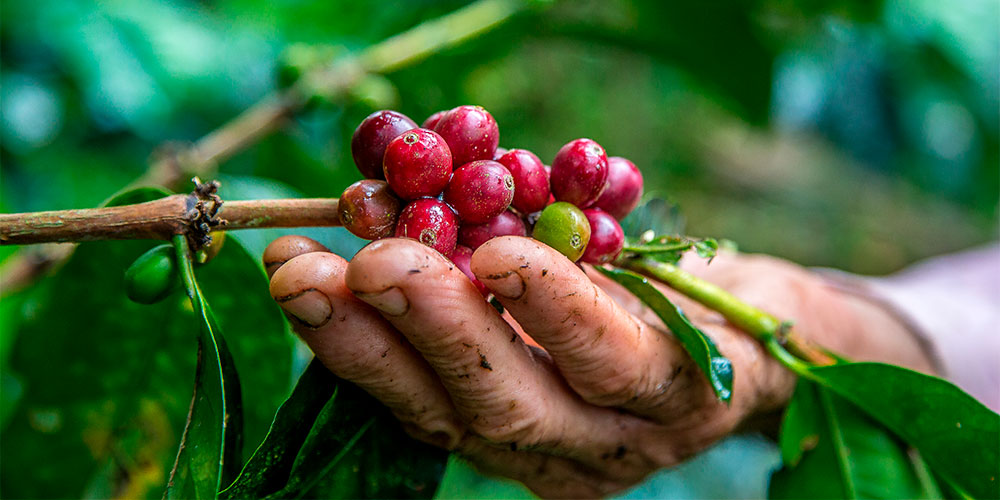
x: 160, y: 219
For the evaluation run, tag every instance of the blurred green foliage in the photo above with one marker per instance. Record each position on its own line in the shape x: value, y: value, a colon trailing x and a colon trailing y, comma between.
x: 849, y: 133
x: 855, y: 134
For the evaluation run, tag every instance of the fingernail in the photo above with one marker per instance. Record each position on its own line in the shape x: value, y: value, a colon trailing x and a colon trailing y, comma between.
x: 508, y: 285
x: 390, y: 301
x: 311, y: 307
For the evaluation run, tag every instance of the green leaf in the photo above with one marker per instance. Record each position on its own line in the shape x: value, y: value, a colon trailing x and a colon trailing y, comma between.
x: 802, y: 425
x: 330, y: 439
x: 717, y: 368
x: 260, y: 339
x: 670, y: 248
x: 357, y: 440
x: 847, y: 454
x: 392, y: 471
x: 213, y: 434
x: 337, y: 429
x: 268, y: 468
x: 706, y: 248
x: 955, y: 434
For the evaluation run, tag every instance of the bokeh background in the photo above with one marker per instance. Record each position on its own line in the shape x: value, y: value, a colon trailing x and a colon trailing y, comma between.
x: 856, y: 134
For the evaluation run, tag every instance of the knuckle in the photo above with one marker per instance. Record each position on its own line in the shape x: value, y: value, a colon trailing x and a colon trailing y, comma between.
x: 519, y: 430
x: 620, y: 386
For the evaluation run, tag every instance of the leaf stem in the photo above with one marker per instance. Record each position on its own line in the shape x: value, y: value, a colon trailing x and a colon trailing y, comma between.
x: 763, y: 326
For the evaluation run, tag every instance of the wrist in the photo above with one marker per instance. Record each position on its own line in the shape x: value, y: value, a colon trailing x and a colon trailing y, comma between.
x: 883, y: 333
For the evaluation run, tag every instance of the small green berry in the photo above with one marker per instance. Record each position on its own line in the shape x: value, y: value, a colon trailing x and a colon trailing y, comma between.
x: 153, y: 276
x: 565, y: 228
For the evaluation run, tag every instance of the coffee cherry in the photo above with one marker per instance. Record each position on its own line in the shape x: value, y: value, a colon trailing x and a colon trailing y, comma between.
x: 371, y: 138
x: 579, y: 172
x: 606, y: 237
x: 417, y: 164
x: 480, y: 190
x: 430, y: 222
x: 563, y: 227
x: 462, y: 257
x: 369, y: 209
x: 505, y: 224
x: 531, y: 181
x: 432, y: 120
x: 209, y: 251
x: 471, y: 133
x: 498, y: 153
x: 153, y: 276
x: 624, y: 188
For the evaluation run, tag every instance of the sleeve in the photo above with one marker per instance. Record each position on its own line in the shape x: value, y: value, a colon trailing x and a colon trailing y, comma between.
x: 953, y: 303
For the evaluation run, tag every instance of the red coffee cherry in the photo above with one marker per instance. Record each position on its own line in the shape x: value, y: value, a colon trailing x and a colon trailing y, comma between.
x: 624, y: 188
x: 417, y: 164
x: 430, y: 222
x: 579, y: 172
x: 505, y: 224
x: 606, y: 237
x: 471, y: 133
x: 480, y: 190
x: 369, y: 209
x: 531, y: 180
x: 462, y: 257
x: 432, y: 120
x: 498, y: 153
x: 372, y: 136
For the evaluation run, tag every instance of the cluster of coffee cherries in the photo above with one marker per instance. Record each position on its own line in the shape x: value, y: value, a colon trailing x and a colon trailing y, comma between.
x: 449, y: 185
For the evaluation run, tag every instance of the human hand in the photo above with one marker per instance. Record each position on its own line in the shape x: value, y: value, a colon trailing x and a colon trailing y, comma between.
x: 609, y: 397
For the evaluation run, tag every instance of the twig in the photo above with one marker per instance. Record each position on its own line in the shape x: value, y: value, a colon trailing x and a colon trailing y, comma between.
x: 161, y: 219
x: 763, y: 326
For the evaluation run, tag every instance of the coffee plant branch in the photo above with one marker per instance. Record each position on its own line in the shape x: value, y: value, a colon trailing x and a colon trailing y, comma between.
x: 162, y: 219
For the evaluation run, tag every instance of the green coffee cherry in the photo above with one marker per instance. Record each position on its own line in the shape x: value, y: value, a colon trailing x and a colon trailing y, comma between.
x: 153, y: 276
x: 564, y: 227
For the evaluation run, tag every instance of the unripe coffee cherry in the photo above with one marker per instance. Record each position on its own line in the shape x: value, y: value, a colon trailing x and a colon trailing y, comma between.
x: 153, y: 276
x: 505, y: 224
x: 433, y: 120
x: 371, y: 138
x: 471, y: 133
x: 369, y: 209
x: 430, y: 222
x: 480, y: 191
x: 624, y: 188
x: 209, y: 251
x: 565, y: 228
x: 531, y: 180
x: 606, y: 237
x: 462, y: 257
x: 579, y: 172
x: 417, y: 163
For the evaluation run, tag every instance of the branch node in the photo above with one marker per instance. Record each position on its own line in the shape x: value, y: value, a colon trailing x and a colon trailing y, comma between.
x: 203, y: 213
